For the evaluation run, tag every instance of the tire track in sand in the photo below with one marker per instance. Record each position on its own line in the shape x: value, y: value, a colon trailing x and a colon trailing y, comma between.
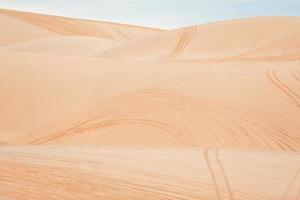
x: 173, y: 118
x: 108, y: 123
x: 144, y: 101
x: 120, y: 35
x: 224, y: 175
x: 296, y: 75
x: 283, y: 87
x: 293, y: 188
x: 186, y: 35
x: 212, y: 174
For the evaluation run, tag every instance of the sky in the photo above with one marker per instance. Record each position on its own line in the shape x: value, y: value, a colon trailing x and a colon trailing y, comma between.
x: 166, y: 14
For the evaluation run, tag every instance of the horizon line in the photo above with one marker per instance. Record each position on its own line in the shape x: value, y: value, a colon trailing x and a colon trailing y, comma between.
x: 141, y: 25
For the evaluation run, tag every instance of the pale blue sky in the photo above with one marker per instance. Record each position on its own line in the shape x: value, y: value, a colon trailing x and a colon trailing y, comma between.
x: 158, y: 13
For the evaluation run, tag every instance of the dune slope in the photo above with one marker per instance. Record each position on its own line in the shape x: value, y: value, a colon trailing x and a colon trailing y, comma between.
x: 149, y: 108
x: 73, y: 27
x: 17, y: 31
x: 244, y: 39
x: 109, y: 173
x: 63, y: 45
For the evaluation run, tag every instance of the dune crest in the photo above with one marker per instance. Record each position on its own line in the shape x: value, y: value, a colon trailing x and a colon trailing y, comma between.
x: 245, y: 39
x: 76, y: 27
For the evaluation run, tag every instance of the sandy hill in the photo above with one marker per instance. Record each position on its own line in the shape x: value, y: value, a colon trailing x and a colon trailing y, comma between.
x: 149, y: 108
x: 253, y: 38
x: 18, y: 31
x: 23, y: 26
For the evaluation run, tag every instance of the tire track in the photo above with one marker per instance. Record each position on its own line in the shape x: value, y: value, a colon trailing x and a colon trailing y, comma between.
x: 120, y: 36
x: 269, y: 136
x: 103, y: 124
x: 283, y: 87
x: 293, y: 188
x: 271, y: 131
x: 137, y: 173
x: 111, y: 116
x: 226, y: 124
x: 186, y: 36
x: 214, y: 180
x: 247, y: 135
x: 296, y: 75
x: 271, y: 128
x: 224, y: 175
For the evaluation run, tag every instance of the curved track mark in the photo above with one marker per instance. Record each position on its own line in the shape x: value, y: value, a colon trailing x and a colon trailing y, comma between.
x: 224, y: 175
x: 228, y: 124
x: 283, y: 87
x: 296, y: 75
x: 212, y: 174
x: 293, y: 185
x: 186, y: 36
x: 102, y: 124
x: 121, y: 36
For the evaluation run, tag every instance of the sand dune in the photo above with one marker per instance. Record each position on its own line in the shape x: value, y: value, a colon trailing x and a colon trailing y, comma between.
x: 74, y: 27
x: 245, y: 39
x: 148, y: 110
x: 110, y: 173
x: 113, y: 111
x: 166, y: 118
x: 18, y: 31
x: 62, y: 45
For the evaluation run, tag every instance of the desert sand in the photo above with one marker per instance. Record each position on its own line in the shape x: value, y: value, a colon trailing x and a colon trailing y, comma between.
x: 80, y: 172
x: 99, y: 110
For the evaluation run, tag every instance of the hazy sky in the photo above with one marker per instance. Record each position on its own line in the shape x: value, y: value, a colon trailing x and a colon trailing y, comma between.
x: 158, y: 13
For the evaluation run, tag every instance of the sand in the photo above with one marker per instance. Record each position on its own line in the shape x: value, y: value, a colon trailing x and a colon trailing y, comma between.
x: 98, y: 110
x: 81, y: 172
x: 244, y: 39
x: 62, y: 45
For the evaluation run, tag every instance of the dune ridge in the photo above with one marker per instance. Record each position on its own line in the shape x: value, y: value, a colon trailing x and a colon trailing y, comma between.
x: 256, y: 38
x: 69, y: 26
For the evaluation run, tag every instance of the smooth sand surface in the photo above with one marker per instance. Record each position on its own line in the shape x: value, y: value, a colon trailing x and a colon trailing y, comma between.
x: 99, y: 110
x: 63, y: 45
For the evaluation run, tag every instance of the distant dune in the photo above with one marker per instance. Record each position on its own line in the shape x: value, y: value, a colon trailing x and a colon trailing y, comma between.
x: 62, y: 45
x: 22, y: 26
x: 245, y: 39
x: 100, y: 110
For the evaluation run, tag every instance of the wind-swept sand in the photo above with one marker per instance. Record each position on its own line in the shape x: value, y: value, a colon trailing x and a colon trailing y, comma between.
x: 245, y: 39
x: 222, y: 105
x: 203, y: 112
x: 62, y: 45
x: 23, y: 26
x: 83, y: 172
